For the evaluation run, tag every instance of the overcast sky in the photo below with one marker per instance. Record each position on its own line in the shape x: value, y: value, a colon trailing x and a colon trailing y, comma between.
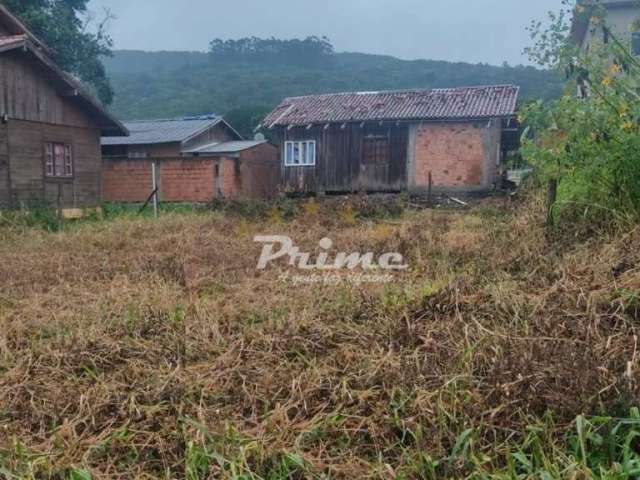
x: 490, y: 31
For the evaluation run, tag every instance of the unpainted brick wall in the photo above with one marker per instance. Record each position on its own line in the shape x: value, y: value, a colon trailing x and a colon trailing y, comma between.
x: 194, y: 180
x: 187, y: 180
x: 228, y: 184
x: 126, y: 181
x: 180, y: 180
x: 455, y: 154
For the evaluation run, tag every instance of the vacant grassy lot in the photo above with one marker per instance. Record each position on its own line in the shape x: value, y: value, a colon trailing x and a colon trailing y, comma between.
x: 134, y: 348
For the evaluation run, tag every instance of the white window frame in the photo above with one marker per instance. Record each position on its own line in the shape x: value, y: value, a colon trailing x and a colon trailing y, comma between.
x: 307, y: 153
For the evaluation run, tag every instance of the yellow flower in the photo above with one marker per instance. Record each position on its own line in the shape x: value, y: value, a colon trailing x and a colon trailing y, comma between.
x: 349, y: 216
x: 607, y: 82
x: 275, y: 216
x: 628, y: 127
x: 595, y: 20
x: 615, y: 70
x: 311, y: 208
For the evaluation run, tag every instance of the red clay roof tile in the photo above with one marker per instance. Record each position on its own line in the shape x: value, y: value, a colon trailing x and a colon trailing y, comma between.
x: 438, y: 104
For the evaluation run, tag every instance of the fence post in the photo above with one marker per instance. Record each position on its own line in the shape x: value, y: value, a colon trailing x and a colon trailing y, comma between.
x: 155, y: 188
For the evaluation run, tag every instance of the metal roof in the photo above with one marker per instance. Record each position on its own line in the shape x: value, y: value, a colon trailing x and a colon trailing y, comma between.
x: 437, y: 104
x: 144, y: 132
x: 226, y: 147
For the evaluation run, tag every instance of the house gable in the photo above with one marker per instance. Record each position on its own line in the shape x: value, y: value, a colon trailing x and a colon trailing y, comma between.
x: 33, y: 87
x: 28, y: 93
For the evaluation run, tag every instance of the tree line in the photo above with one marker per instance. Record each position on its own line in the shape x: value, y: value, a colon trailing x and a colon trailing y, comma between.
x: 308, y: 51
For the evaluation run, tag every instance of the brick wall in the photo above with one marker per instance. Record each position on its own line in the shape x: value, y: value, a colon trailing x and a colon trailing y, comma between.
x: 190, y: 181
x: 458, y: 155
x: 126, y: 181
x: 180, y: 180
x: 194, y: 180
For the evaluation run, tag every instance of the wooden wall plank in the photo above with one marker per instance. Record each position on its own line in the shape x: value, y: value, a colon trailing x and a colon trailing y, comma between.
x: 28, y: 184
x: 5, y: 193
x: 27, y: 92
x: 339, y: 166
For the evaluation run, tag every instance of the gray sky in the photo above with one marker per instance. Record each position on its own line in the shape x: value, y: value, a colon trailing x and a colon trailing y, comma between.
x: 490, y: 31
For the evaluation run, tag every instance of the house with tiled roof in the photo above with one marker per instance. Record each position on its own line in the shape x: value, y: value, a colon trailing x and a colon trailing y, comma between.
x: 50, y: 127
x: 451, y: 139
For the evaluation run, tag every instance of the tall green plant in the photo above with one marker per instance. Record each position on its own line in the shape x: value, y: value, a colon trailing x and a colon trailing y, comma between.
x: 588, y: 140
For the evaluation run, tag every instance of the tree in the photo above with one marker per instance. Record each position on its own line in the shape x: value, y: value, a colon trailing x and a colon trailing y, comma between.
x: 246, y: 119
x: 63, y: 26
x: 588, y: 145
x: 309, y: 51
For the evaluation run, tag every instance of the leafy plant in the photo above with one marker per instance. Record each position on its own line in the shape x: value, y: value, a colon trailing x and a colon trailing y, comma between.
x: 588, y: 141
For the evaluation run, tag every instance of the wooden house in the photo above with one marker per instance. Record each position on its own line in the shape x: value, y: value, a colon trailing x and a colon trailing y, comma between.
x: 188, y: 160
x: 446, y: 139
x: 50, y: 127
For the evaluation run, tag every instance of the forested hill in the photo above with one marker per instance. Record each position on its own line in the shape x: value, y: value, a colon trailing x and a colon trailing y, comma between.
x: 170, y: 84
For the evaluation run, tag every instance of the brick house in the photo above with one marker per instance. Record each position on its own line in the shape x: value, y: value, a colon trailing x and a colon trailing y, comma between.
x: 453, y: 138
x: 191, y: 160
x: 50, y: 127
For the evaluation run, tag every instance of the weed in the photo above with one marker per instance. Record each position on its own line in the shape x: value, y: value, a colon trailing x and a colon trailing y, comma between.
x: 132, y: 347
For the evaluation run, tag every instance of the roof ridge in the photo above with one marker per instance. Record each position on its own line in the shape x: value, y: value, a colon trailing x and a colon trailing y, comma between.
x: 184, y: 119
x: 408, y: 90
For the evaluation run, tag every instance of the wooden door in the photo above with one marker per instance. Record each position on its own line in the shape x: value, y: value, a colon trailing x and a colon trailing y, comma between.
x: 374, y: 165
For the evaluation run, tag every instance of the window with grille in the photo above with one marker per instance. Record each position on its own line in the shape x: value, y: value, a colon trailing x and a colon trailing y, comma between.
x: 58, y: 160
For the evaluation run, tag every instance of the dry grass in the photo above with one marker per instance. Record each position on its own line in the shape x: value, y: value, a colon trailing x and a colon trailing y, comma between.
x: 136, y: 348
